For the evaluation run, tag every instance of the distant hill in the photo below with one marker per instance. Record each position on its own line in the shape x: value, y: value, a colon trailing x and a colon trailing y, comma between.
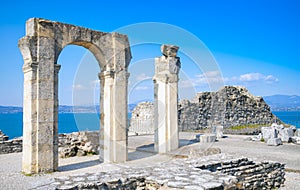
x: 62, y: 109
x: 10, y: 109
x: 276, y: 103
x: 283, y: 102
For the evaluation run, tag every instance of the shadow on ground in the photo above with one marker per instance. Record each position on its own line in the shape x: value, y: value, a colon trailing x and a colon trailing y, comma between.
x: 79, y: 165
x: 145, y: 151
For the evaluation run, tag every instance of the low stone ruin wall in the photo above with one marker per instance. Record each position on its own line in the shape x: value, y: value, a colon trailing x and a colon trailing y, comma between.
x: 216, y: 172
x: 251, y: 175
x: 73, y: 144
x: 78, y: 144
x: 11, y: 146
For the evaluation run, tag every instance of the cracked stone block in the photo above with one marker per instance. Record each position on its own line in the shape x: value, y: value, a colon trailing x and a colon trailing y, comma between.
x: 274, y: 142
x: 268, y: 133
x: 286, y: 134
x: 207, y: 138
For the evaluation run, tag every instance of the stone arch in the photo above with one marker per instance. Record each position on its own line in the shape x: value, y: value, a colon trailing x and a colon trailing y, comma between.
x: 40, y: 49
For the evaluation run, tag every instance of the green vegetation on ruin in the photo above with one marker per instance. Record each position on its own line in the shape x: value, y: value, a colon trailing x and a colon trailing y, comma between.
x: 250, y: 126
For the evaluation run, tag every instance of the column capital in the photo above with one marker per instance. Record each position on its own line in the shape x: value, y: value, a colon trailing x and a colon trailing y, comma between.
x: 27, y: 67
x: 57, y: 68
x: 106, y: 74
x: 166, y: 78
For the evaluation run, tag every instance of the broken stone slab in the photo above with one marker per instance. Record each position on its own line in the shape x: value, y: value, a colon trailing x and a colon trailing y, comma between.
x: 207, y: 138
x: 295, y: 140
x: 277, y: 126
x: 297, y: 133
x: 169, y: 50
x: 274, y: 142
x: 218, y: 130
x: 269, y: 133
x: 286, y: 134
x: 294, y: 128
x: 256, y: 137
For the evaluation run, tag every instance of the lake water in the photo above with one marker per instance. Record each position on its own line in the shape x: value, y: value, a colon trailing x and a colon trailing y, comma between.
x: 11, y: 124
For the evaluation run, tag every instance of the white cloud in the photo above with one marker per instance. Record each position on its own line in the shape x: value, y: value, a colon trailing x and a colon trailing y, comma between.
x: 185, y: 84
x: 213, y: 77
x: 208, y: 78
x: 142, y: 76
x: 254, y: 77
x: 271, y: 79
x: 78, y: 87
x: 95, y: 82
x: 249, y: 77
x: 142, y: 88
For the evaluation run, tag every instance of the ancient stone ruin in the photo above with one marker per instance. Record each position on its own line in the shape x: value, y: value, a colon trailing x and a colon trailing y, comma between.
x: 230, y: 106
x: 40, y: 48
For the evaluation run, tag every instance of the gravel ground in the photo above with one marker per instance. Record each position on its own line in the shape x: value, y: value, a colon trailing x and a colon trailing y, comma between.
x: 140, y: 154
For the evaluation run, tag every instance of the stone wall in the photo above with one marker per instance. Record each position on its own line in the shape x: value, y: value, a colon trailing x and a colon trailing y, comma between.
x: 230, y: 106
x: 9, y: 146
x: 78, y: 144
x: 73, y: 144
x: 142, y: 119
x: 250, y: 175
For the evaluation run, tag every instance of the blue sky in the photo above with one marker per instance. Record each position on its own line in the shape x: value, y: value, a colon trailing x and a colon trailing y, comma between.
x: 254, y: 44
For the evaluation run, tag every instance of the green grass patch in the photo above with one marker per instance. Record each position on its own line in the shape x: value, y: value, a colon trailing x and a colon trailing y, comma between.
x: 250, y: 126
x: 27, y: 175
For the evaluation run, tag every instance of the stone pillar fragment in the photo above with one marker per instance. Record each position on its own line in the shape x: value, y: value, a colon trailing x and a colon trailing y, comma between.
x: 166, y: 99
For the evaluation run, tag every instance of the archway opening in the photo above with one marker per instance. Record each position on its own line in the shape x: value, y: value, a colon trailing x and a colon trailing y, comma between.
x: 79, y: 99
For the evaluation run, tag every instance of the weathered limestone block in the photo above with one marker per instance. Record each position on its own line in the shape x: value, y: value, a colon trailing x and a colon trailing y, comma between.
x: 208, y: 138
x: 169, y: 50
x: 268, y: 133
x: 295, y: 140
x: 218, y: 130
x: 286, y: 134
x: 278, y: 127
x: 274, y: 142
x: 297, y: 133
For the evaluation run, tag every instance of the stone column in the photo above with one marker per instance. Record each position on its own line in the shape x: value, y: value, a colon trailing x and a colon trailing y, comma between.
x: 113, y: 121
x: 55, y: 123
x: 29, y: 118
x: 166, y: 99
x: 40, y: 119
x: 106, y: 110
x: 46, y: 108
